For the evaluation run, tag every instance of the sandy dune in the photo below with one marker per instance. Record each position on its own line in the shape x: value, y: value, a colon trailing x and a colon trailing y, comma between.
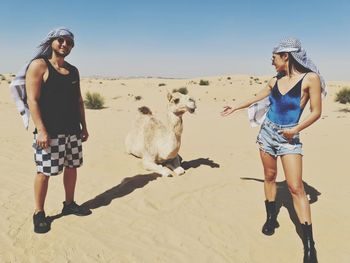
x: 213, y: 213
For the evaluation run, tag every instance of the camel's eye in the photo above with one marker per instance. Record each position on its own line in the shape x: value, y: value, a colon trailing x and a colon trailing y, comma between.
x: 176, y: 101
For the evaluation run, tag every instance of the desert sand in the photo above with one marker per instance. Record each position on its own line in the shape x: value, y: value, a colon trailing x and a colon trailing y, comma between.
x: 213, y: 213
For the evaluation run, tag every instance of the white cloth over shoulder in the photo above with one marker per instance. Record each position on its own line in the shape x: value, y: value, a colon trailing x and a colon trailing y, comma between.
x: 17, y: 86
x: 257, y: 111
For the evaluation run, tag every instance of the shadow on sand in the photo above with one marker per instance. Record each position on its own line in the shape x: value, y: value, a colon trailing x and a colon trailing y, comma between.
x: 284, y: 198
x: 129, y: 184
x: 198, y: 162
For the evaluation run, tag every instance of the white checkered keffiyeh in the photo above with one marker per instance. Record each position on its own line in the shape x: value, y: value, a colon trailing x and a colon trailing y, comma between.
x: 257, y: 111
x: 17, y: 85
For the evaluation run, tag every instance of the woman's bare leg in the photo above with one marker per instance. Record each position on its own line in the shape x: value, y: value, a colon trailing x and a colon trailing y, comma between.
x: 292, y: 166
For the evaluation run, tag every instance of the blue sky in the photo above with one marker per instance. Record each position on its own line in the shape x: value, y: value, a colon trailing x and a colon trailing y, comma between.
x: 179, y: 38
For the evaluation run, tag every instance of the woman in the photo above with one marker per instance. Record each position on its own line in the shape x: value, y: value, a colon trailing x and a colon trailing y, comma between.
x: 297, y: 82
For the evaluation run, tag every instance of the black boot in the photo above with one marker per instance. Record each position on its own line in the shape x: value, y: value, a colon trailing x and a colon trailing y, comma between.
x: 271, y: 218
x: 309, y: 244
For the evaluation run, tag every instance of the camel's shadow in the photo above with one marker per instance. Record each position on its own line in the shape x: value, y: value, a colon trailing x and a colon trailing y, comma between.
x: 198, y: 162
x: 284, y: 198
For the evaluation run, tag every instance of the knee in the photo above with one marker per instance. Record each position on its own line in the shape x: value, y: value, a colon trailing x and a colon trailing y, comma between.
x: 296, y: 189
x: 270, y: 175
x: 42, y: 178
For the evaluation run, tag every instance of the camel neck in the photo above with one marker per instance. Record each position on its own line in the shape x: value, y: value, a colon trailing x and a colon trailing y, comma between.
x: 175, y: 124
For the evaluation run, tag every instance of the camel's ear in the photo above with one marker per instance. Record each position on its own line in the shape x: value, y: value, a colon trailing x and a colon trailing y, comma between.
x: 169, y: 96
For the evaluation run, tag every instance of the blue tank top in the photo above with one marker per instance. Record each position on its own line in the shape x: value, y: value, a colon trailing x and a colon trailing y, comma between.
x: 285, y: 108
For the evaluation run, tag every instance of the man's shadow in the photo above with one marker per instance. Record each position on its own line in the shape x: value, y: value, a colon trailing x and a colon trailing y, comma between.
x: 284, y: 198
x: 130, y: 184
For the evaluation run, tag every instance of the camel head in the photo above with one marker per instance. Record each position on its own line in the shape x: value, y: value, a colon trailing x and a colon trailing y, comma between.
x: 179, y: 103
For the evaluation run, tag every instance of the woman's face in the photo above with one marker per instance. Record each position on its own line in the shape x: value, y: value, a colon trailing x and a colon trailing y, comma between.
x: 280, y: 61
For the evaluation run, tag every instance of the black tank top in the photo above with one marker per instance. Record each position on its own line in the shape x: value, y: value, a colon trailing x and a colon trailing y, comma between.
x: 59, y: 101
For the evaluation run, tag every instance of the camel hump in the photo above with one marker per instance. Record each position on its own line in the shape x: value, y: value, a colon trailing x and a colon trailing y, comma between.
x: 145, y: 110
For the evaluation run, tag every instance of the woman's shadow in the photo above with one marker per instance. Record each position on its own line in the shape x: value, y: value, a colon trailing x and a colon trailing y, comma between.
x: 284, y: 198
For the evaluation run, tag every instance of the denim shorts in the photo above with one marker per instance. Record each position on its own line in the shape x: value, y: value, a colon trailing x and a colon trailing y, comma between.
x: 271, y: 140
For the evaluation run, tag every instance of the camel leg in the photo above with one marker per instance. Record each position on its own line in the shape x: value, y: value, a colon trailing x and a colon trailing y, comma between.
x: 176, y: 166
x: 150, y: 165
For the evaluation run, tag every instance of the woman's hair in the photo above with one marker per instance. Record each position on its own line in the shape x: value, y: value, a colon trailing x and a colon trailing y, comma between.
x: 293, y: 64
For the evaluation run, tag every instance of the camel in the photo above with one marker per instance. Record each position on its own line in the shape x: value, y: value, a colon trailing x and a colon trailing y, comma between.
x: 156, y: 143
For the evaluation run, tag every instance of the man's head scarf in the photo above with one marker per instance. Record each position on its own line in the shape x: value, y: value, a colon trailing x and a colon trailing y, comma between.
x: 17, y: 85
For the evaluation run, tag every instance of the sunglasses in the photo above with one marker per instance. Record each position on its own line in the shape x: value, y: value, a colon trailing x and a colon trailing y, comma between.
x: 69, y: 42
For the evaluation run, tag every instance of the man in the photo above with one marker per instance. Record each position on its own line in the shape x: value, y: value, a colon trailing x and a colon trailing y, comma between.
x: 54, y: 98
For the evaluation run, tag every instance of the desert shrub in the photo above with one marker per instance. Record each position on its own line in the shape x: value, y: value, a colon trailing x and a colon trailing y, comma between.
x: 138, y: 97
x: 2, y: 77
x: 161, y: 84
x: 346, y: 110
x: 204, y: 82
x: 182, y: 90
x: 343, y: 96
x: 228, y: 78
x: 94, y: 101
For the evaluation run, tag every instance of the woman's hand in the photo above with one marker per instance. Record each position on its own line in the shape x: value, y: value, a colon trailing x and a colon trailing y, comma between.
x: 289, y: 133
x: 227, y: 111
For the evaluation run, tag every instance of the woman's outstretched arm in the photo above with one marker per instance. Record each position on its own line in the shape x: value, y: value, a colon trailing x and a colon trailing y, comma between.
x: 261, y: 95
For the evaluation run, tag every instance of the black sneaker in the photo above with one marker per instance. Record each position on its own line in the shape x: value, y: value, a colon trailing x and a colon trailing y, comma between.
x: 41, y: 224
x: 74, y: 209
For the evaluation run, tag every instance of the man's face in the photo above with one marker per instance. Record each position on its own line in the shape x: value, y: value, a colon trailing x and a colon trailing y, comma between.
x: 62, y: 46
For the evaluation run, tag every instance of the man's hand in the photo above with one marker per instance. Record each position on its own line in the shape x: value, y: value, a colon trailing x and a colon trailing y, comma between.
x: 42, y: 139
x: 84, y: 135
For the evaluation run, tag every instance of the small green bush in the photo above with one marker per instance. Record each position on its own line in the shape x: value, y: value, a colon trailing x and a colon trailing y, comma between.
x: 94, y: 101
x: 343, y: 96
x: 182, y: 90
x: 204, y: 82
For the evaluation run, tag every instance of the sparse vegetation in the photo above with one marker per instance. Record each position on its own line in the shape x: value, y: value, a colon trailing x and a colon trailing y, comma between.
x: 343, y: 96
x: 204, y: 82
x: 161, y: 84
x: 138, y: 97
x: 94, y: 101
x: 228, y: 78
x: 2, y: 77
x: 182, y: 90
x: 346, y: 110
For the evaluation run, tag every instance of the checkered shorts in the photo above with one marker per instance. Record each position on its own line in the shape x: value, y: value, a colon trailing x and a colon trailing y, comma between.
x: 63, y: 151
